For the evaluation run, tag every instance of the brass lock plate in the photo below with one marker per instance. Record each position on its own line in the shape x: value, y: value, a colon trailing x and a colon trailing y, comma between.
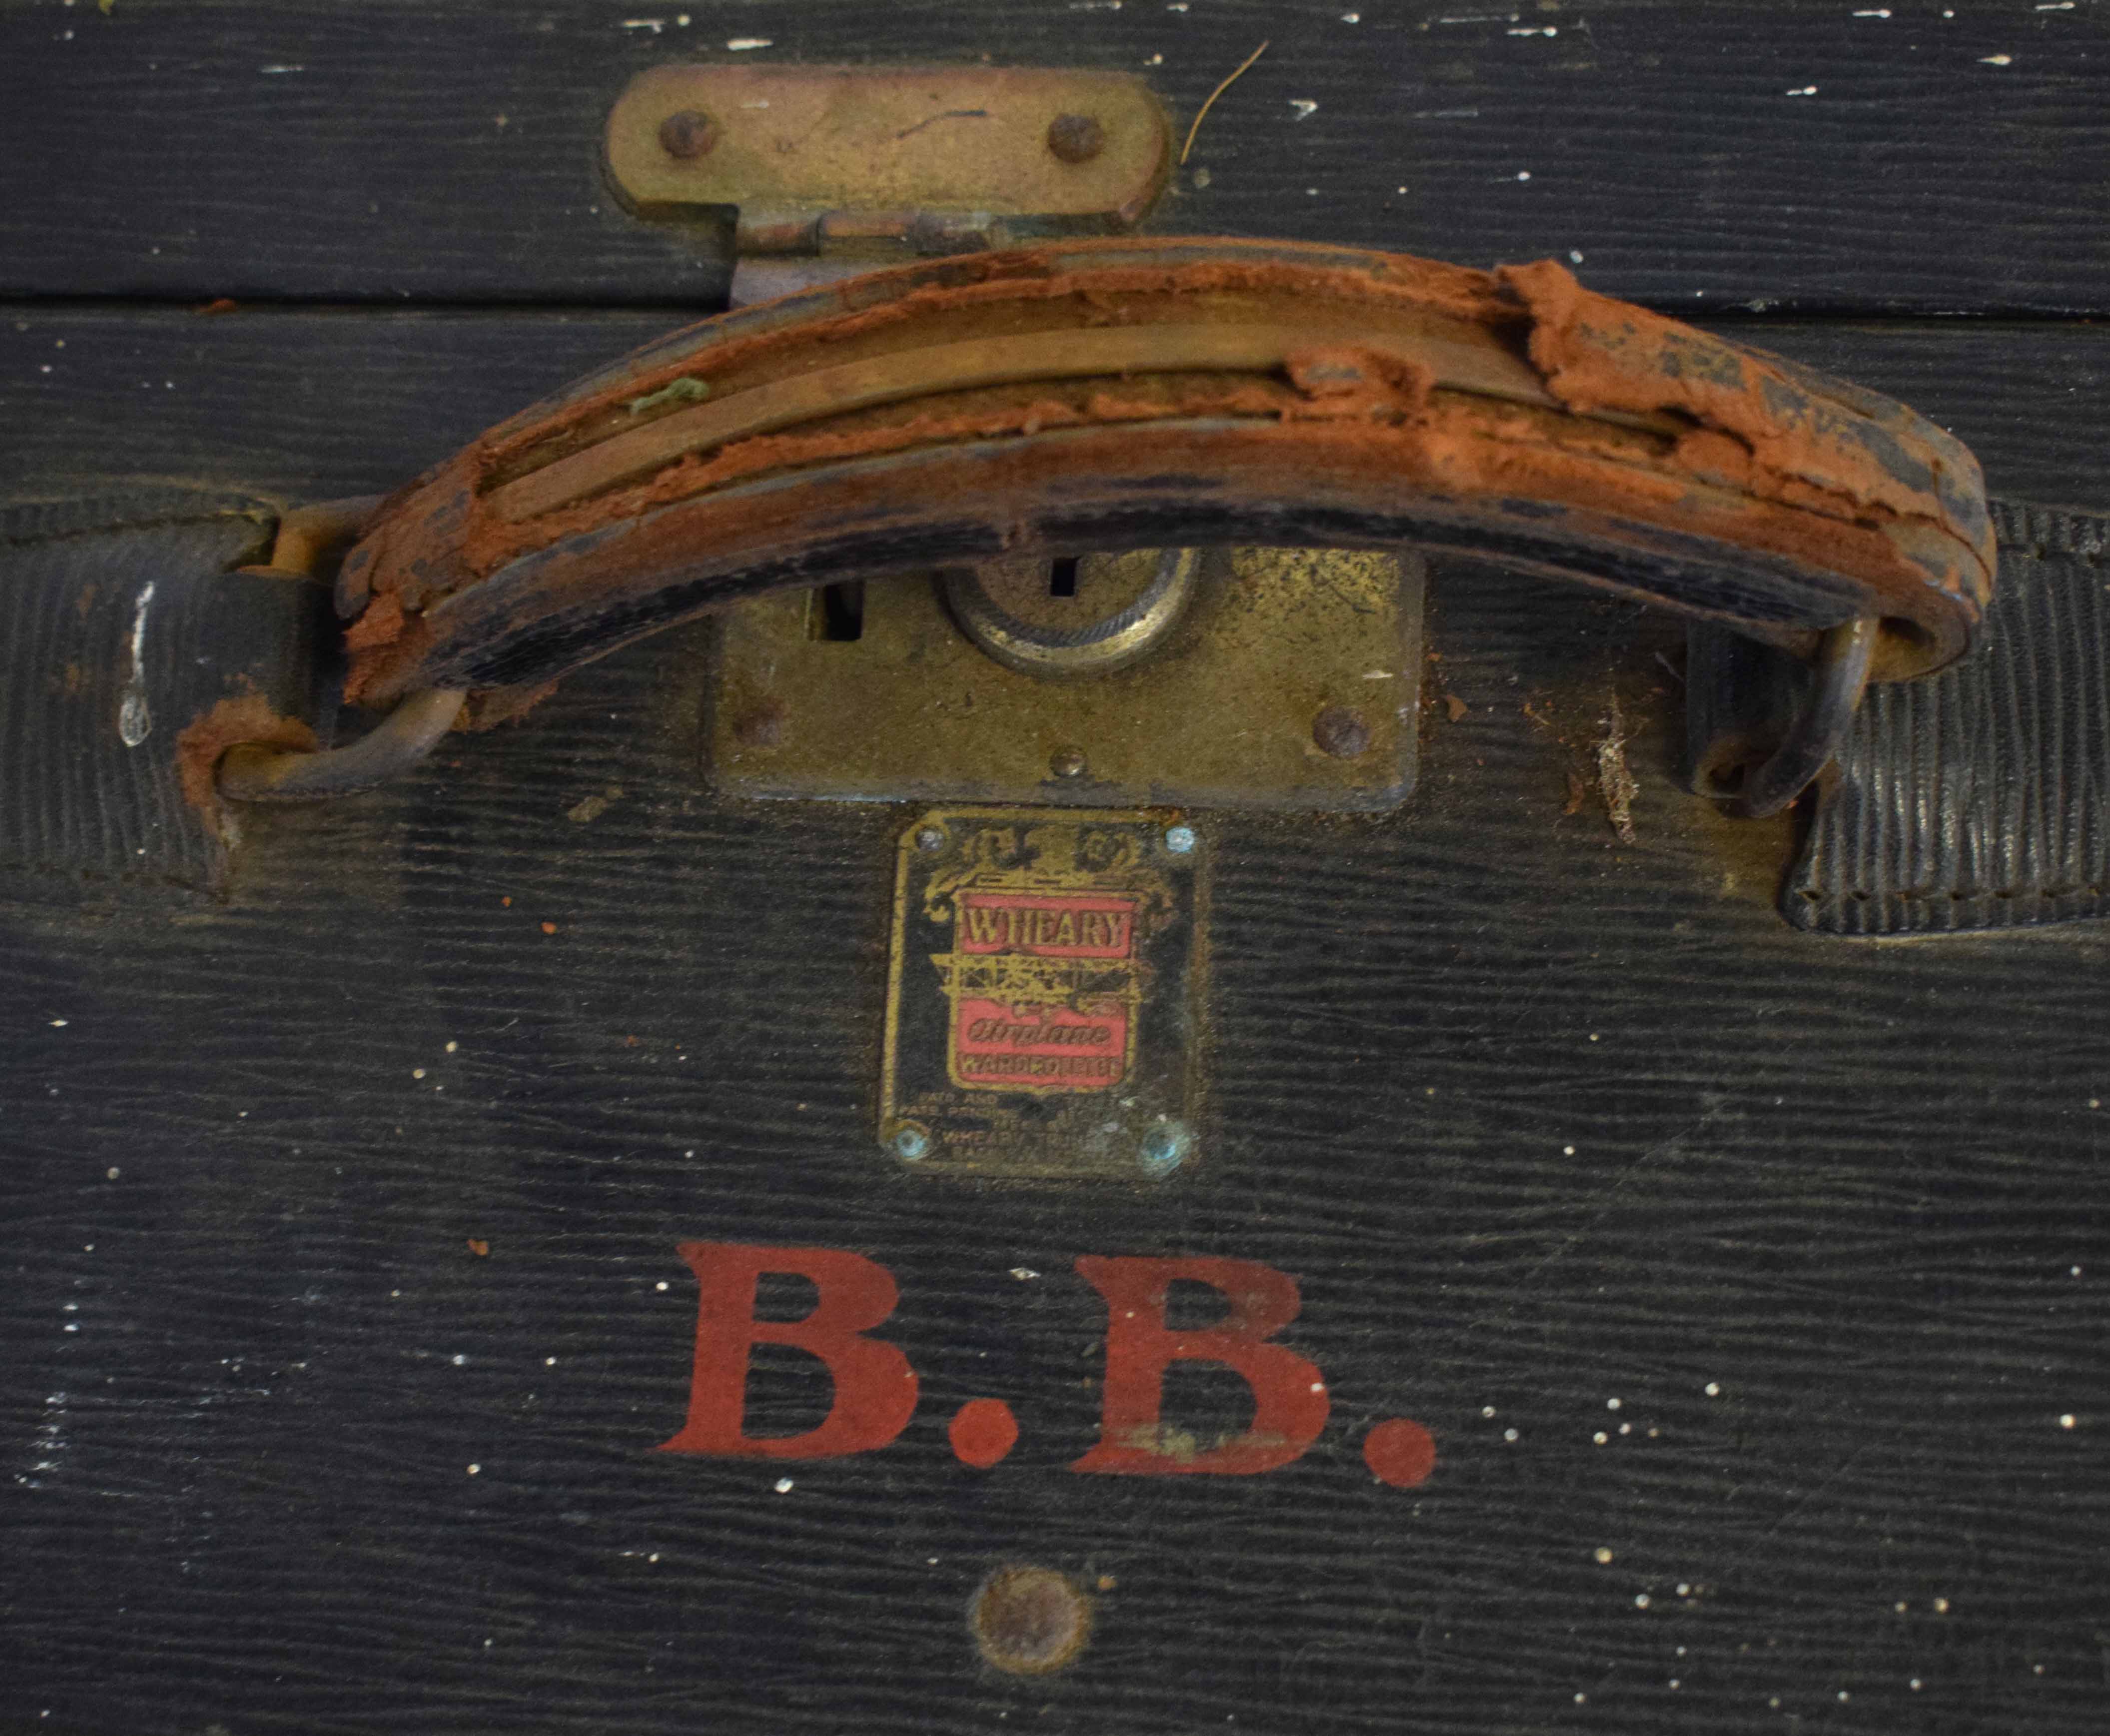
x: 1291, y: 683
x: 1044, y: 997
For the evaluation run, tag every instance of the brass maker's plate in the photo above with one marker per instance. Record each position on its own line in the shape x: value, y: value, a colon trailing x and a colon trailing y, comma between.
x: 1044, y: 998
x: 1291, y: 682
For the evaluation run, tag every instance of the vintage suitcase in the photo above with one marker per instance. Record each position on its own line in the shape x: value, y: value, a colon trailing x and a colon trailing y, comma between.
x: 1140, y: 1076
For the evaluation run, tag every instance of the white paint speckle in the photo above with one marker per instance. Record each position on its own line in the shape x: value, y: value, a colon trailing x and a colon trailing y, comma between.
x: 113, y: 1172
x: 1996, y: 59
x: 1509, y: 1434
x: 1546, y: 30
x: 58, y: 1024
x: 1941, y: 1606
x: 1568, y: 1150
x: 1023, y: 1273
x: 1611, y: 1404
x: 548, y: 1361
x: 1604, y: 1556
x: 1600, y: 1437
x: 1305, y: 107
x: 417, y: 1073
x: 1915, y: 1684
x: 1641, y: 1600
x: 2067, y: 1420
x: 1523, y: 174
x: 1878, y: 11
x: 461, y: 1361
x: 1487, y: 1411
x: 743, y: 44
x: 474, y: 1471
x: 2055, y: 6
x: 655, y: 25
x: 1156, y: 60
x: 784, y: 1486
x: 1804, y: 90
x: 274, y: 71
x: 1714, y: 1390
x: 1351, y: 18
x: 452, y: 1046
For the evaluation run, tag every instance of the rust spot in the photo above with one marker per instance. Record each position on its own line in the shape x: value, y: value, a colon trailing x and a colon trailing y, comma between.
x: 248, y: 718
x: 1029, y: 1620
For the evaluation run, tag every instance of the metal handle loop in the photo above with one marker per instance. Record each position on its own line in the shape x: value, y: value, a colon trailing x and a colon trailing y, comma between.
x: 250, y: 773
x: 1812, y: 739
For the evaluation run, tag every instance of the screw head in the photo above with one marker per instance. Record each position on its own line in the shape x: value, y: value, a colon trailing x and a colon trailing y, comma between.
x: 1179, y: 839
x: 930, y: 838
x: 1165, y: 1148
x: 688, y: 134
x: 1341, y: 732
x: 1066, y: 762
x: 1075, y: 139
x: 909, y: 1142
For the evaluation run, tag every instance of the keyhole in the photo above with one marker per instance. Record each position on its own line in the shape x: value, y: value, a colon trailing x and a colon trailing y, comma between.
x: 836, y: 612
x: 1062, y: 577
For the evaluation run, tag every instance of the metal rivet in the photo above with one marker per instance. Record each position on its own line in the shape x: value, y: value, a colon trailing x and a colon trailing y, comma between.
x: 1179, y: 839
x: 1341, y: 732
x: 687, y: 134
x: 1066, y: 762
x: 1075, y: 139
x: 1164, y: 1148
x: 910, y: 1143
x: 1029, y: 1620
x: 930, y: 838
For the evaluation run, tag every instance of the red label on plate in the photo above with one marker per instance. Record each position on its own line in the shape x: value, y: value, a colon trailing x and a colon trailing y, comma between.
x: 1044, y: 990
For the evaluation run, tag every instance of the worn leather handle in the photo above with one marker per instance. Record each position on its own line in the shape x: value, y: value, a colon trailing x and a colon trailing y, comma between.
x: 1125, y: 393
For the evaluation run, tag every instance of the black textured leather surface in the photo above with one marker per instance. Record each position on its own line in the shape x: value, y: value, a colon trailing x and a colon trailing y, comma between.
x: 1980, y: 798
x: 120, y: 622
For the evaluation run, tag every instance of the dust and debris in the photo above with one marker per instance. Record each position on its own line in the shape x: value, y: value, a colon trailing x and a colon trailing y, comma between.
x: 218, y: 304
x: 1615, y: 782
x: 1456, y: 707
x: 585, y: 812
x: 479, y: 1247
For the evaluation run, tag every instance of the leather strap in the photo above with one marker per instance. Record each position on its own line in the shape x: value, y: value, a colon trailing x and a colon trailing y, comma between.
x: 1981, y: 799
x: 132, y: 657
x: 1121, y: 393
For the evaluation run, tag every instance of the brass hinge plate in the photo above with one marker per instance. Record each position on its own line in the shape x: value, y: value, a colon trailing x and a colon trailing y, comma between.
x: 1292, y: 683
x: 936, y: 158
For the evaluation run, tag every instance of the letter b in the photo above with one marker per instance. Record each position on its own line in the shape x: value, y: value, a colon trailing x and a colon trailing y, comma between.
x: 1289, y: 1396
x: 875, y: 1387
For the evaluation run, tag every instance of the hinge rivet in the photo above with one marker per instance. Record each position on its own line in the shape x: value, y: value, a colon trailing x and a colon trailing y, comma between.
x: 688, y: 132
x: 1075, y: 139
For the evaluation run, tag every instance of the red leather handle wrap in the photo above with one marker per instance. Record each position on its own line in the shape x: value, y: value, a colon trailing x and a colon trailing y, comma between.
x: 1113, y: 394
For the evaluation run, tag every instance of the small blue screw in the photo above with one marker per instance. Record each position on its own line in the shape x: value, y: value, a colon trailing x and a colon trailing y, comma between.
x: 910, y: 1143
x: 1164, y: 1149
x: 1179, y: 839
